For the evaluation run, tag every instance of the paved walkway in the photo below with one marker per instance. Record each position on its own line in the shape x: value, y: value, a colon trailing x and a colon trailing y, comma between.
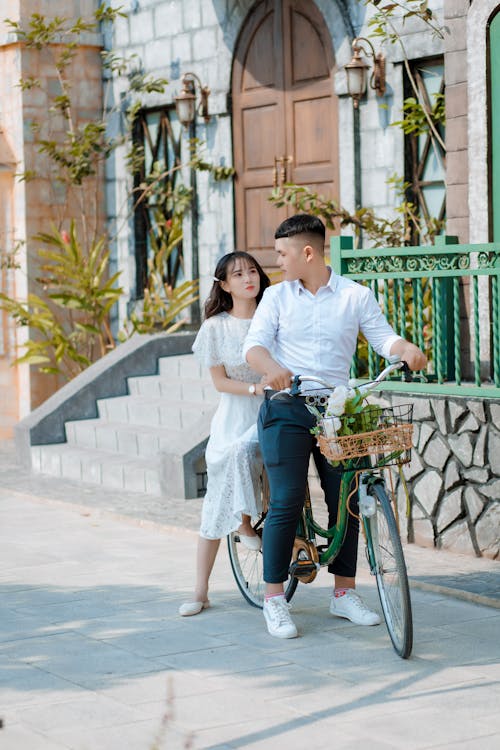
x: 461, y: 576
x: 93, y: 655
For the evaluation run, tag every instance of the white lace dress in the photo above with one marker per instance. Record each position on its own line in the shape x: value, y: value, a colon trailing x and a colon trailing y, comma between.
x: 233, y: 457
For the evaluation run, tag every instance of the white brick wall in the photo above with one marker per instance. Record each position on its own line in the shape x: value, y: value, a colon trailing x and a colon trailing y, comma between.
x: 191, y: 12
x: 167, y: 18
x: 173, y: 36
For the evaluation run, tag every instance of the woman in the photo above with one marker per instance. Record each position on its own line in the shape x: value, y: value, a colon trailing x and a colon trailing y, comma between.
x: 232, y: 455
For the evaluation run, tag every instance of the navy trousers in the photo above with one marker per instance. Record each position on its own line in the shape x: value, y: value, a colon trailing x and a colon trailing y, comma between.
x: 286, y: 444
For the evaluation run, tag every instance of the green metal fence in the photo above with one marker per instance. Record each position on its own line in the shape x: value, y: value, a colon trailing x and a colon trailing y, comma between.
x: 445, y: 298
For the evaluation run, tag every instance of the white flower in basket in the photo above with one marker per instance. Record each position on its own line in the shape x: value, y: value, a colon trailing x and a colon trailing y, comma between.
x: 330, y: 426
x: 336, y: 402
x: 347, y: 413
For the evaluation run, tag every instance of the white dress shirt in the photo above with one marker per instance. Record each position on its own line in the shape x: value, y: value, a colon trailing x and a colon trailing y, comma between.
x: 316, y: 334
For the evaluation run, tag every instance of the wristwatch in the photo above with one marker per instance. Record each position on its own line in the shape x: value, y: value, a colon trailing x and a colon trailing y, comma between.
x: 252, y: 389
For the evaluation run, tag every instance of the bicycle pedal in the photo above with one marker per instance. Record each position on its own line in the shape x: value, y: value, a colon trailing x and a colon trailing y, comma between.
x: 304, y: 570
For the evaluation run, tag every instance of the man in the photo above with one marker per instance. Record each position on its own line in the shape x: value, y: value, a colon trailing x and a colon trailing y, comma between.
x: 309, y: 324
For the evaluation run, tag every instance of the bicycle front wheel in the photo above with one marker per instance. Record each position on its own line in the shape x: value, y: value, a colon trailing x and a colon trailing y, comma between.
x: 248, y: 570
x: 388, y: 565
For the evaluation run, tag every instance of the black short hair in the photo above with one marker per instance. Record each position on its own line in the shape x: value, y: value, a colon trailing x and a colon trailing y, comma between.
x: 300, y: 224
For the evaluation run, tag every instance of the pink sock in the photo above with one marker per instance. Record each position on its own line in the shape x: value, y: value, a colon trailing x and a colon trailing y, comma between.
x: 339, y: 592
x: 271, y: 596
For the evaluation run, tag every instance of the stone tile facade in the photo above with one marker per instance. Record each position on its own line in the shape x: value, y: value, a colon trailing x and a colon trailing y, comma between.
x: 454, y: 475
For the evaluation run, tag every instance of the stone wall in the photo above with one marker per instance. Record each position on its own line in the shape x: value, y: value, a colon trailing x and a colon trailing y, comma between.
x: 454, y: 475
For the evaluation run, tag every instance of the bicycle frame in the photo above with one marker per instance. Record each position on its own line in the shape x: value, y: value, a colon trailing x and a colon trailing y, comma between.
x: 307, y: 527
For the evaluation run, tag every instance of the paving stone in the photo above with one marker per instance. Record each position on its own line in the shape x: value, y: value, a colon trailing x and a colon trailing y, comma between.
x: 426, y: 432
x: 480, y: 476
x: 423, y: 532
x: 462, y: 447
x: 491, y: 490
x: 450, y: 508
x: 494, y: 410
x: 473, y: 502
x: 477, y: 408
x: 457, y: 538
x: 451, y: 475
x: 456, y: 410
x: 471, y: 424
x: 487, y: 531
x: 114, y: 583
x: 437, y: 452
x: 415, y: 467
x: 427, y: 489
x: 479, y: 457
x: 439, y: 409
x: 421, y: 409
x: 494, y: 451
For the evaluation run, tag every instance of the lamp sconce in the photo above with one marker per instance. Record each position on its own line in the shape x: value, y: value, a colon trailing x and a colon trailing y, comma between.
x: 356, y: 71
x: 185, y: 102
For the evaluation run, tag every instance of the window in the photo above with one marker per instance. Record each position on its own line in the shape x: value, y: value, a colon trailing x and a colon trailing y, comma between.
x: 425, y: 156
x: 157, y: 132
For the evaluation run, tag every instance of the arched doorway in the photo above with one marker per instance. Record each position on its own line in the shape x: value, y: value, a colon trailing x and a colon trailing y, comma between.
x: 285, y: 122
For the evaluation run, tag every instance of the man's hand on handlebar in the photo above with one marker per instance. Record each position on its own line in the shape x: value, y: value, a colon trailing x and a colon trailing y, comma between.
x: 409, y: 353
x: 277, y: 377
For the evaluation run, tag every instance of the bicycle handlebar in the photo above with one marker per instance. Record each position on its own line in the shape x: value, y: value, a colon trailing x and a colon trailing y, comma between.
x: 395, y: 363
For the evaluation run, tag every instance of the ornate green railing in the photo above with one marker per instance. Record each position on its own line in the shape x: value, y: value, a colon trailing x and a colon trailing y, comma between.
x: 445, y: 298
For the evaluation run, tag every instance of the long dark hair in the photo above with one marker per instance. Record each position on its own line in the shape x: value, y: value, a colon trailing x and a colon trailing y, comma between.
x: 220, y: 301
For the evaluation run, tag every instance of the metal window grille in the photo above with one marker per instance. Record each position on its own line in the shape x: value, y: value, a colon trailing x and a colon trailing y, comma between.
x: 158, y: 133
x: 425, y: 157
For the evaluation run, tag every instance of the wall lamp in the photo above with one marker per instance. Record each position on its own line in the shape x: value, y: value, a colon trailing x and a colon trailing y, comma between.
x: 356, y: 71
x: 185, y: 102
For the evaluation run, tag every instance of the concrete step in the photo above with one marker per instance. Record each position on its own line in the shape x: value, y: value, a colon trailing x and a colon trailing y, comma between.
x: 152, y: 440
x: 184, y: 366
x: 98, y: 467
x: 174, y: 389
x: 126, y: 439
x: 158, y: 412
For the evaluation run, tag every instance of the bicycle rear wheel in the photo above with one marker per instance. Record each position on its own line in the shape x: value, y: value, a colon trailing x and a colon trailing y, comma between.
x: 247, y: 565
x: 248, y: 569
x: 388, y: 565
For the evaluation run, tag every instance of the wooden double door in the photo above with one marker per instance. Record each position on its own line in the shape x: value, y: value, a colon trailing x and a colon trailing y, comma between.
x: 285, y: 122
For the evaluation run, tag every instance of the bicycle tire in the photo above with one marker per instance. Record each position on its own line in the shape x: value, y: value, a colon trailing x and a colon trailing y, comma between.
x: 247, y: 564
x: 390, y: 573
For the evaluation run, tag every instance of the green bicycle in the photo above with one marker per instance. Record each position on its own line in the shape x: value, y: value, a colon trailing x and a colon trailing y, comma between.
x: 385, y: 441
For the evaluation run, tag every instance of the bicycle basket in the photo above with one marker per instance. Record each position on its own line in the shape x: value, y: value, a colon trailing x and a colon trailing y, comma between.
x: 382, y: 437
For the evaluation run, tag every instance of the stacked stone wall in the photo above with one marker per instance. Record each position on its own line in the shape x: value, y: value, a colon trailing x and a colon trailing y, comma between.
x: 454, y: 475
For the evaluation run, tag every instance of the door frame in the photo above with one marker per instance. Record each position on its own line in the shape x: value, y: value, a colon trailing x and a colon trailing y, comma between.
x: 242, y: 40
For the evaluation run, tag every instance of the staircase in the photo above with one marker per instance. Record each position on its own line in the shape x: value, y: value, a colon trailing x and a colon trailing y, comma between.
x: 150, y: 441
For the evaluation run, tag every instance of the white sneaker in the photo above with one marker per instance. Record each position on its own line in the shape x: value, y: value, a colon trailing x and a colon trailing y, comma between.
x: 353, y: 608
x: 278, y: 620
